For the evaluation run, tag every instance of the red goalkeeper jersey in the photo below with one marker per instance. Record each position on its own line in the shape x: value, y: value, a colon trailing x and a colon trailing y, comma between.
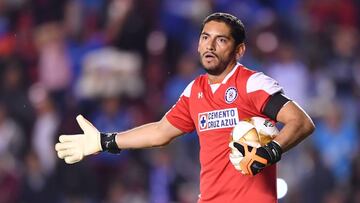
x: 213, y: 110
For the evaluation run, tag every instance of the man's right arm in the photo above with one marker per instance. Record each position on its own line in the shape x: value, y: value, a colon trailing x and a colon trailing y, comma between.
x: 73, y: 148
x: 149, y: 135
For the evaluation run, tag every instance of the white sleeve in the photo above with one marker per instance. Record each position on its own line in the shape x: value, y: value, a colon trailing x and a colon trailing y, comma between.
x: 187, y: 90
x: 260, y: 81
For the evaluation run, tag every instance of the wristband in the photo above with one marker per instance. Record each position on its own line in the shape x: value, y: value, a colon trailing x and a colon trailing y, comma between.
x: 108, y: 143
x: 274, y: 150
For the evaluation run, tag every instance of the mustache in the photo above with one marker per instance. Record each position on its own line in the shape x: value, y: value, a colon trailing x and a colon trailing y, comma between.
x: 211, y: 53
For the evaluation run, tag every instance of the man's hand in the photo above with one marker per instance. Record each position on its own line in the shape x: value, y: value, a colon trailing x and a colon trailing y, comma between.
x: 73, y: 148
x: 252, y: 160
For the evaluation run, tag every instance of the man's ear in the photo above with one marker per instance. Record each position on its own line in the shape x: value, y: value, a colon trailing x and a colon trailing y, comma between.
x: 240, y: 50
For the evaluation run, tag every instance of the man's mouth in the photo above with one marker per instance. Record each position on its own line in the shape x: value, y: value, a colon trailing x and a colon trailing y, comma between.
x: 209, y: 55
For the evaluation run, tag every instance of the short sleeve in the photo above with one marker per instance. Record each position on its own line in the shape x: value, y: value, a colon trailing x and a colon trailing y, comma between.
x: 259, y: 88
x: 179, y: 115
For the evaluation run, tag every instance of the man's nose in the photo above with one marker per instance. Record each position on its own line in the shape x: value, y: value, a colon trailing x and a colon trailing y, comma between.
x: 210, y: 45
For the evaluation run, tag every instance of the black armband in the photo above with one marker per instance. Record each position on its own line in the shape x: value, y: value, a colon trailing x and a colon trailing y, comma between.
x: 108, y: 143
x: 274, y: 104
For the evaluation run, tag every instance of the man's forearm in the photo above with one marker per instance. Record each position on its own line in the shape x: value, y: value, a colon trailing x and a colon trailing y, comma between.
x: 298, y: 125
x: 292, y: 134
x: 149, y: 135
x: 141, y: 137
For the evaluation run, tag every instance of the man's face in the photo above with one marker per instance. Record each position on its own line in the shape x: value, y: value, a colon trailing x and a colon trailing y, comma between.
x: 216, y: 47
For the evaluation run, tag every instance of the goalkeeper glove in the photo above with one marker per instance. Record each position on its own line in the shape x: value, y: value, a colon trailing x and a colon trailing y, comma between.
x: 73, y: 148
x: 256, y: 159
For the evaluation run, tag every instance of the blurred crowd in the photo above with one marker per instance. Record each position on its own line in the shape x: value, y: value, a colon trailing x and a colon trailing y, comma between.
x: 123, y: 63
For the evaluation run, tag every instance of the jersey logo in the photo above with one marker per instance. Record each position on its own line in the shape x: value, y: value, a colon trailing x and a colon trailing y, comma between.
x: 200, y: 95
x: 224, y: 118
x: 230, y: 95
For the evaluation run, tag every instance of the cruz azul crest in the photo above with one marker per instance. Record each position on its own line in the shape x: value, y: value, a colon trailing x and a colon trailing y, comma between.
x: 230, y: 95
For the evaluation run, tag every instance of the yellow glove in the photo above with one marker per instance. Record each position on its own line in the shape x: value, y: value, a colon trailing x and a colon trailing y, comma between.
x: 73, y: 148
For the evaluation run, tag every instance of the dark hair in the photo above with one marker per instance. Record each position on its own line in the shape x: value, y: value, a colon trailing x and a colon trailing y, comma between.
x: 235, y: 24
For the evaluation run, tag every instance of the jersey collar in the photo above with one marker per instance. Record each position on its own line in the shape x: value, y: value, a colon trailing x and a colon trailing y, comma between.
x: 231, y: 73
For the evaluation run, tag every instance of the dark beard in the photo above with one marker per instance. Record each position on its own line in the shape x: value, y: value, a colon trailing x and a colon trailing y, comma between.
x: 220, y: 68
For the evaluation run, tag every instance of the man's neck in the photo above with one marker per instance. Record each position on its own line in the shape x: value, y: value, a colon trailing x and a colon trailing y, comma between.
x: 213, y: 79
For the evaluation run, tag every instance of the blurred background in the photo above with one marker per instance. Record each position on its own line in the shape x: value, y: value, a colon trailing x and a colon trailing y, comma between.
x: 123, y: 63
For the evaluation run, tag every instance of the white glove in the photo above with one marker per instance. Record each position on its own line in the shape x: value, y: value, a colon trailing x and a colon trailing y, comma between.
x: 235, y: 157
x: 73, y: 148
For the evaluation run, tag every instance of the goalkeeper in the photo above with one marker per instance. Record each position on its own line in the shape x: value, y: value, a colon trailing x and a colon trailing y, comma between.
x: 212, y: 104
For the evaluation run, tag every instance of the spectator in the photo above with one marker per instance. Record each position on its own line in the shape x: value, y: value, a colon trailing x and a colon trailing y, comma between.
x: 45, y: 128
x: 337, y: 141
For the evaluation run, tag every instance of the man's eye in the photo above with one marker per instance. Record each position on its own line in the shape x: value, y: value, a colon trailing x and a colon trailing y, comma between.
x: 222, y: 40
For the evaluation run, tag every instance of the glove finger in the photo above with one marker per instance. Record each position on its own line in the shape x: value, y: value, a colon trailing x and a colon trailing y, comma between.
x: 234, y: 150
x: 84, y: 124
x: 72, y: 159
x: 67, y: 138
x: 63, y: 153
x: 235, y: 159
x: 235, y: 156
x: 238, y: 167
x: 239, y: 147
x: 66, y: 152
x: 62, y: 146
x: 231, y: 145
